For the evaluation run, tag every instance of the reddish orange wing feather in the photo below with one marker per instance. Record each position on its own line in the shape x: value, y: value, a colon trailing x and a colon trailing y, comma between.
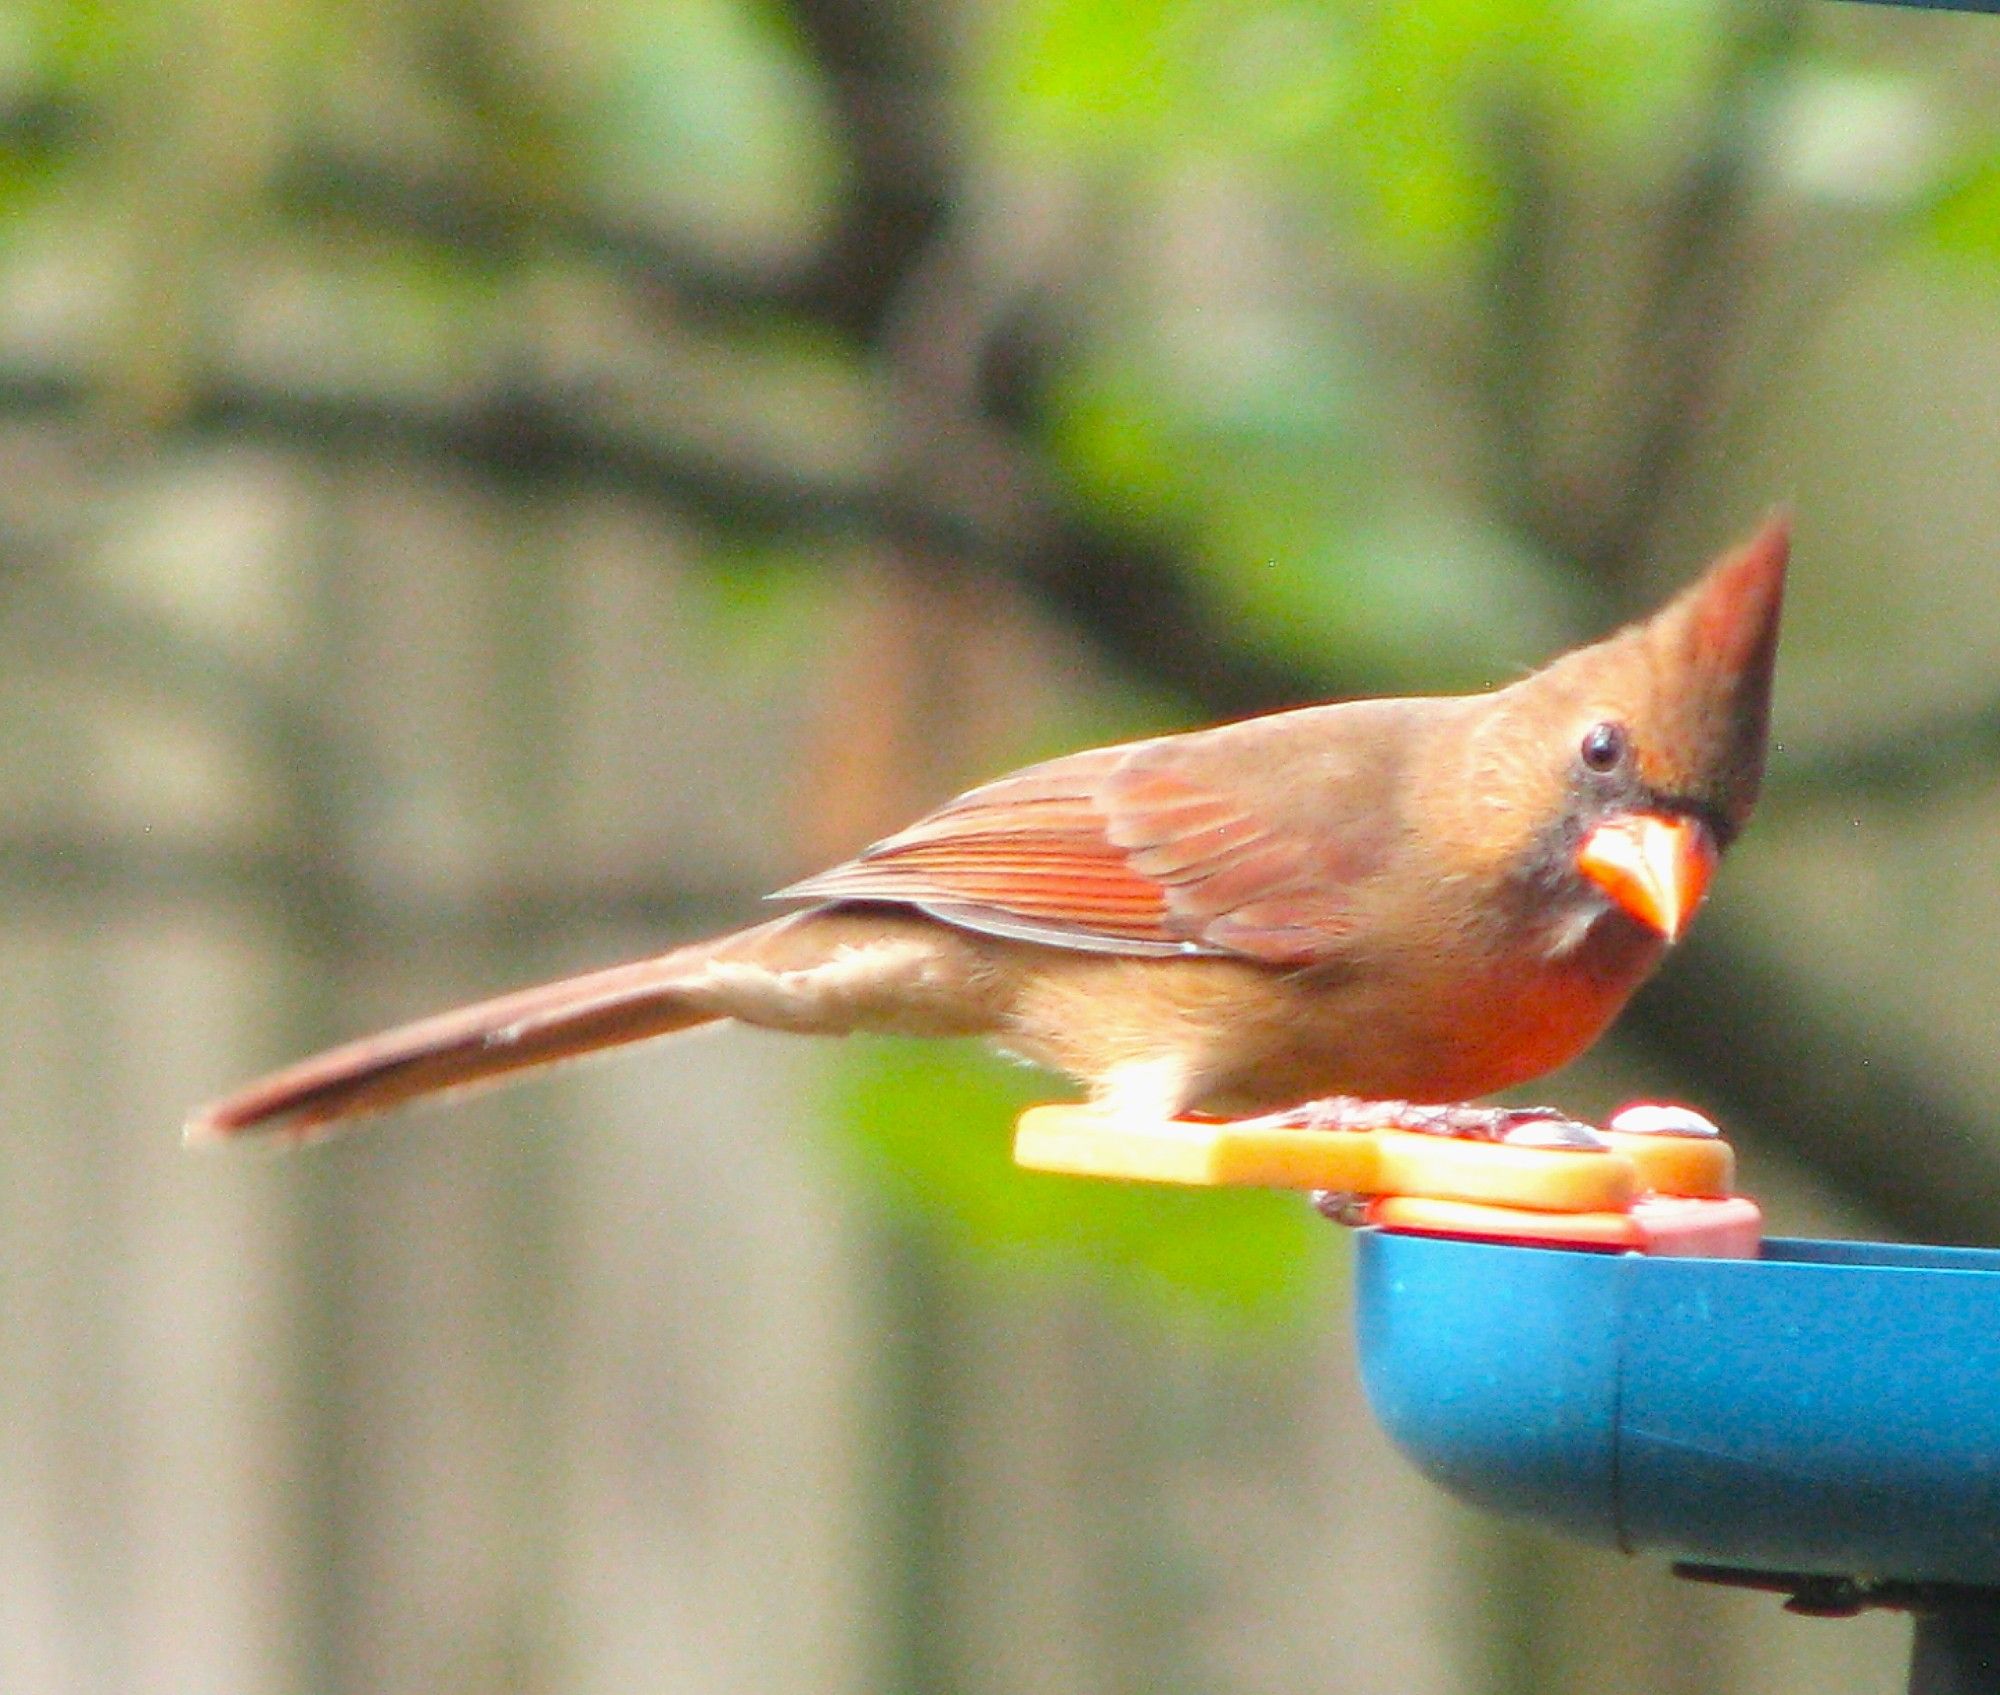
x: 1142, y: 849
x: 1030, y: 848
x: 1270, y: 881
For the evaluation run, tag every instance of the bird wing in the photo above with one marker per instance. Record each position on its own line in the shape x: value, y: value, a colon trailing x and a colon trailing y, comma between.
x: 1246, y: 840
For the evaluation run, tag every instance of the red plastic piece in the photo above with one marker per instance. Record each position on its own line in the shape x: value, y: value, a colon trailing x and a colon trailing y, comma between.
x: 1730, y: 1228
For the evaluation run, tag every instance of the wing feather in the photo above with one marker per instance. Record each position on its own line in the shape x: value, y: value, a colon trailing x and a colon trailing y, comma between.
x: 1246, y: 840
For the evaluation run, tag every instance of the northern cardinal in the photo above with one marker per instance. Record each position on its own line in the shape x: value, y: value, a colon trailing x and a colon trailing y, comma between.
x: 1424, y: 899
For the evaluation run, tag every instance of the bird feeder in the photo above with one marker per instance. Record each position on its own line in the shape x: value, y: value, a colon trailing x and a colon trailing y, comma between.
x: 1602, y: 1341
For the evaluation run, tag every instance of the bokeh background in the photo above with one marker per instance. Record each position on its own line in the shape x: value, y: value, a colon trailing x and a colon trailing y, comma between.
x: 488, y: 486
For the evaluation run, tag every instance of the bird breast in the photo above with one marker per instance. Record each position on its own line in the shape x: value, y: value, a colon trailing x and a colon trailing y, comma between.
x: 1252, y: 1038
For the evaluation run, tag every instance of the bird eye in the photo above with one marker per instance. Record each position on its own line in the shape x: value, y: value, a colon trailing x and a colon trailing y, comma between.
x: 1604, y: 746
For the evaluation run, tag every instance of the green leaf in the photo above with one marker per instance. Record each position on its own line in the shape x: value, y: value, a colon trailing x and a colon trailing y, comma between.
x: 929, y: 1127
x: 711, y: 114
x: 1622, y: 73
x: 1165, y: 426
x: 89, y: 40
x: 1250, y: 447
x: 1121, y: 450
x: 760, y: 606
x: 1385, y: 108
x: 1443, y: 596
x: 1424, y: 191
x: 1085, y: 74
x: 1962, y: 223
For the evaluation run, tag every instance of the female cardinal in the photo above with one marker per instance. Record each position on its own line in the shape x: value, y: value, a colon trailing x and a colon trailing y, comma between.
x: 1423, y: 900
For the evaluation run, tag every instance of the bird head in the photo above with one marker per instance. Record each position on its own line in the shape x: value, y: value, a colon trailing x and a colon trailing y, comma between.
x: 1659, y: 740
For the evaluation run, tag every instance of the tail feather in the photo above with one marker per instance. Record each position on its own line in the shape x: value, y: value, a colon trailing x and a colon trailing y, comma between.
x: 824, y: 971
x: 473, y: 1045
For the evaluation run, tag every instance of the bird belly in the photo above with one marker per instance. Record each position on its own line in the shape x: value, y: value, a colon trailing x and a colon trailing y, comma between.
x: 1250, y: 1038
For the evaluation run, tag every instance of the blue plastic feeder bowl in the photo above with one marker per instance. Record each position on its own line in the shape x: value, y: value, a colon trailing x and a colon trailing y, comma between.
x: 1832, y: 1408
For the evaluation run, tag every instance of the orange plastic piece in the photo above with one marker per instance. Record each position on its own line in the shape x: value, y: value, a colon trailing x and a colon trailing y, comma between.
x: 1651, y: 1194
x: 1558, y: 1180
x: 1700, y: 1166
x: 1085, y: 1143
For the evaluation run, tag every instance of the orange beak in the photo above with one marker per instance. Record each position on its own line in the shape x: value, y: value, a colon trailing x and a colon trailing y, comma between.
x: 1656, y: 868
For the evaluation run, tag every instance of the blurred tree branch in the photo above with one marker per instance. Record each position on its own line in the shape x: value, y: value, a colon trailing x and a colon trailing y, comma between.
x: 1695, y: 310
x: 1899, y: 766
x: 886, y: 77
x: 391, y: 194
x: 495, y: 915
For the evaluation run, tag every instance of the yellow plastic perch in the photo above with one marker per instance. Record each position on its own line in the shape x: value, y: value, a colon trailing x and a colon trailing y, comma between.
x: 1082, y: 1142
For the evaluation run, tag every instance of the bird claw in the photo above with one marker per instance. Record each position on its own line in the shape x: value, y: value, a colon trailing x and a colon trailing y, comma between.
x: 1555, y: 1130
x: 1335, y: 1112
x: 1516, y: 1126
x: 1341, y: 1206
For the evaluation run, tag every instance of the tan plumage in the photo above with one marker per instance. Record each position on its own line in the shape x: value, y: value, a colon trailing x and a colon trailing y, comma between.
x: 1426, y: 899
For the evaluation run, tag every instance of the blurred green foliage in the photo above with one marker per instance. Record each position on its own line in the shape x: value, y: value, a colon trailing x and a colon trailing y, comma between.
x: 1255, y: 450
x: 711, y: 117
x: 1962, y: 223
x: 1379, y: 110
x: 929, y: 1125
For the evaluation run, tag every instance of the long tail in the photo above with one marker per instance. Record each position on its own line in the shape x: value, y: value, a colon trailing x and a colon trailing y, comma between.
x: 474, y: 1044
x: 816, y: 972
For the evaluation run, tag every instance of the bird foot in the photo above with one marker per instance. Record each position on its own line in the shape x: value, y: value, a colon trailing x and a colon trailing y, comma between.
x: 1517, y: 1126
x: 1340, y: 1207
